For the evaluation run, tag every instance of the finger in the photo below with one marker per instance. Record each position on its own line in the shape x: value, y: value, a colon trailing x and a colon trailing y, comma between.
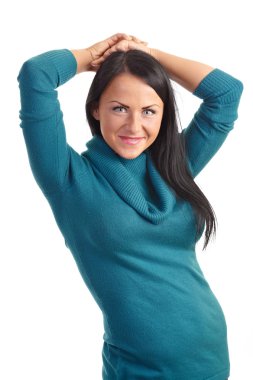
x: 121, y: 36
x: 107, y: 53
x: 137, y: 40
x: 97, y: 62
x: 123, y: 45
x: 116, y: 38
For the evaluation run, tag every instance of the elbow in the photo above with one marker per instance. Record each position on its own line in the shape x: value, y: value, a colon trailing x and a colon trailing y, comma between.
x: 233, y: 96
x: 28, y: 73
x: 238, y: 87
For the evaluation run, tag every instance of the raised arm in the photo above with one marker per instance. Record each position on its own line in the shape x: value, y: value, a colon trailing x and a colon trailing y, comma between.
x: 217, y: 113
x: 41, y: 117
x: 186, y: 72
x: 213, y: 120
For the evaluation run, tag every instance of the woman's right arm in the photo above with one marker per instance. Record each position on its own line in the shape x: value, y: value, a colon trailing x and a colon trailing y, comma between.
x: 41, y: 116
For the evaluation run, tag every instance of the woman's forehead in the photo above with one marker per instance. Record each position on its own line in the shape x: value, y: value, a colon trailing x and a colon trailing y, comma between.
x: 129, y: 86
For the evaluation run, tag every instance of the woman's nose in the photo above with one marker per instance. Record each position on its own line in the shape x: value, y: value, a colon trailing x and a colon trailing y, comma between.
x: 134, y: 123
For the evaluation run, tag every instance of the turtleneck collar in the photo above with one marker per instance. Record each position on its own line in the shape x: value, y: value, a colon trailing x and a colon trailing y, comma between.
x: 137, y: 166
x: 127, y: 176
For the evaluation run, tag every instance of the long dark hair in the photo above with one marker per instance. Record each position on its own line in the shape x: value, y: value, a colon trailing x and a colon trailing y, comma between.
x: 168, y: 151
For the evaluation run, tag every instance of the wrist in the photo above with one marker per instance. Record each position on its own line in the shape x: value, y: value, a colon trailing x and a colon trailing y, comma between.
x: 83, y: 58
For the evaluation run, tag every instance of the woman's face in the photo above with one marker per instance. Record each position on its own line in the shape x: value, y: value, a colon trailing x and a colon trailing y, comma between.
x: 130, y: 114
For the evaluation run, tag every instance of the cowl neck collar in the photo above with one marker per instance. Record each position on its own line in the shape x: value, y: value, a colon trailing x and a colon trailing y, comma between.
x: 124, y: 176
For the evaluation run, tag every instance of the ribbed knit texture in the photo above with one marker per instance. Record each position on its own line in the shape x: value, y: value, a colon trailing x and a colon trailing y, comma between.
x: 132, y: 239
x: 125, y: 182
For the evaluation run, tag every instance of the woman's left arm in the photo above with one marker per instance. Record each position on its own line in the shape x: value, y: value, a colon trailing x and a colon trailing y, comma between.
x: 217, y: 113
x: 186, y: 72
x: 213, y: 120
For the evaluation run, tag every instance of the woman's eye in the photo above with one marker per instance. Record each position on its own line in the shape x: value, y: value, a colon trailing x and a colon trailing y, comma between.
x: 119, y: 109
x: 149, y: 112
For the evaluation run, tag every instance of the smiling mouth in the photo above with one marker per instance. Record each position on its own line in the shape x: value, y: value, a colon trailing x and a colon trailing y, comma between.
x: 130, y: 140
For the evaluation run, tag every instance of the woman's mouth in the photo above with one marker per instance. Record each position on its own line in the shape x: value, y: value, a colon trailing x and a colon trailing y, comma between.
x: 131, y: 140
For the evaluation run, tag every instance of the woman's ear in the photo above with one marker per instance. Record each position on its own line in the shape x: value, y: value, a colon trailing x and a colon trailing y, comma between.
x: 95, y: 112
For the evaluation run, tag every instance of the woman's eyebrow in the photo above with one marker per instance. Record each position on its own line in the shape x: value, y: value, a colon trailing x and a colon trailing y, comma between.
x: 124, y: 105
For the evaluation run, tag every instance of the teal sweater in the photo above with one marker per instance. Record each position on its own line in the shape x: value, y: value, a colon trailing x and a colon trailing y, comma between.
x: 132, y: 239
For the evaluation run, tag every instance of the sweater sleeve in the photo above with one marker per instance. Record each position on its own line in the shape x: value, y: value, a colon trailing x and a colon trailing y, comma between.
x: 41, y: 116
x: 214, y: 119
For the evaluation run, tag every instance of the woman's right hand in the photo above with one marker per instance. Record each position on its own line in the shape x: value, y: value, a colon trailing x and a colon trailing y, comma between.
x: 96, y: 53
x: 97, y: 50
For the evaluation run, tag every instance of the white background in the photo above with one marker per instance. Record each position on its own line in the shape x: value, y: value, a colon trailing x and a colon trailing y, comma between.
x: 50, y: 326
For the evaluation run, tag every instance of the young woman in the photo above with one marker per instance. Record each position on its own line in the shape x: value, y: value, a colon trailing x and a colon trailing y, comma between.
x: 128, y: 207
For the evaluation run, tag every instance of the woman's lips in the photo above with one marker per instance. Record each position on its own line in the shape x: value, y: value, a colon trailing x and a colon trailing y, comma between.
x: 131, y: 140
